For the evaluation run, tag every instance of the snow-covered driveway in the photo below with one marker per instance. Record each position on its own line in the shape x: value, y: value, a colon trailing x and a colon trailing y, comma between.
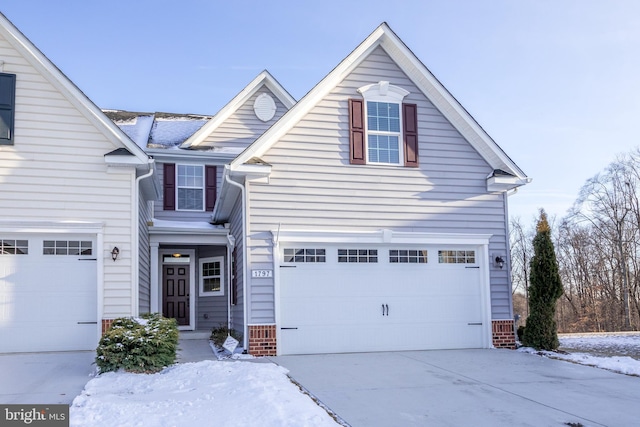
x: 466, y: 387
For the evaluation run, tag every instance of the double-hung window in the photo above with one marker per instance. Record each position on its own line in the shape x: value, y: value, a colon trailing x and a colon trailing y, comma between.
x: 383, y: 129
x: 190, y: 187
x: 383, y: 132
x: 212, y: 276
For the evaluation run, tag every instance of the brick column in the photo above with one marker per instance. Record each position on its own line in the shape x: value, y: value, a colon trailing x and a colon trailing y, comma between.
x: 262, y: 340
x: 503, y: 334
x: 106, y: 324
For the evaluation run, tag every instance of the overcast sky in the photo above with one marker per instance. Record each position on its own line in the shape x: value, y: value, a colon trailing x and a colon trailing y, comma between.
x: 556, y: 83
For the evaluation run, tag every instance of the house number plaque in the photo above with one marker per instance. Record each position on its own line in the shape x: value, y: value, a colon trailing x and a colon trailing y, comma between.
x: 261, y: 273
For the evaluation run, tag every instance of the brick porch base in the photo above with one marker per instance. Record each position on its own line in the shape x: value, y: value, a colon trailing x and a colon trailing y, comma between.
x: 106, y: 324
x: 262, y: 340
x: 503, y: 334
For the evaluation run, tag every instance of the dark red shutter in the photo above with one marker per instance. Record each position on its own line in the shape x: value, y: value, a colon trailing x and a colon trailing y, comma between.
x: 7, y: 107
x: 357, y: 153
x: 169, y: 193
x: 410, y: 128
x: 210, y: 187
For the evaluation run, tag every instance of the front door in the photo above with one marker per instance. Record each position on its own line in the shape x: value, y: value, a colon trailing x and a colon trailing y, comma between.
x: 175, y: 293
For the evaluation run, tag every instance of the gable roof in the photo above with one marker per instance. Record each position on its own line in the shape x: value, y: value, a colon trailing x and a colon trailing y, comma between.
x: 384, y: 37
x: 70, y: 91
x: 262, y: 79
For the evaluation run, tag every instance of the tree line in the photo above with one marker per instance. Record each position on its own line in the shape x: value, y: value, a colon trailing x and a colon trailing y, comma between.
x: 597, y: 246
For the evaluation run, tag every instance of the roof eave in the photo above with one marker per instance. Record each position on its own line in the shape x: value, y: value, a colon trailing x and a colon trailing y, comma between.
x: 56, y: 77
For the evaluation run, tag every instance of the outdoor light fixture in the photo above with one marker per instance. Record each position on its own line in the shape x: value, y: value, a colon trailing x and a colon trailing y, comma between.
x: 114, y: 253
x: 499, y: 261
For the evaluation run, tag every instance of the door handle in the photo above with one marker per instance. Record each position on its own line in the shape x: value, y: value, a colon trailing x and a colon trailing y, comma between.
x: 383, y: 309
x: 387, y: 306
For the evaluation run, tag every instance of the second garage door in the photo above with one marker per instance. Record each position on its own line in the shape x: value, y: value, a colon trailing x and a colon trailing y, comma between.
x: 341, y: 298
x: 48, y: 293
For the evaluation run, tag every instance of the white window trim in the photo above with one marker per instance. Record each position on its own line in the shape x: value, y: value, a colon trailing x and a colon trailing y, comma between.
x: 384, y: 92
x: 202, y: 188
x: 201, y: 291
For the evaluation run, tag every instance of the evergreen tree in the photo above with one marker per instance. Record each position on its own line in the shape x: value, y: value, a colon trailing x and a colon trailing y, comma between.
x: 545, y: 287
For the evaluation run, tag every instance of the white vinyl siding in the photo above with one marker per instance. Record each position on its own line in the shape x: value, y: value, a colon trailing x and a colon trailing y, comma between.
x: 313, y: 187
x: 243, y: 127
x: 55, y: 171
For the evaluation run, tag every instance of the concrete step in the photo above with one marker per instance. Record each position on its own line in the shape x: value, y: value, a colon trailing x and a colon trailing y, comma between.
x: 194, y: 335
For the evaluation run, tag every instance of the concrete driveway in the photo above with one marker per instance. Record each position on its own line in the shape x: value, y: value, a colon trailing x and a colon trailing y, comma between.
x: 465, y: 388
x: 44, y: 378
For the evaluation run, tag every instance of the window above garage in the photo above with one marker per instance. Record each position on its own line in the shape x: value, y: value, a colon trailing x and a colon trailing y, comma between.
x: 383, y: 129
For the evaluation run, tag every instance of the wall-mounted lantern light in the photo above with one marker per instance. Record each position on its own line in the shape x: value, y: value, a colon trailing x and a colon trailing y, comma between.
x: 114, y: 253
x: 499, y: 261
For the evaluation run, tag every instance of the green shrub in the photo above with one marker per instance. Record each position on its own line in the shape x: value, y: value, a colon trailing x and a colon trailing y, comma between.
x: 143, y: 345
x: 220, y: 334
x: 544, y: 290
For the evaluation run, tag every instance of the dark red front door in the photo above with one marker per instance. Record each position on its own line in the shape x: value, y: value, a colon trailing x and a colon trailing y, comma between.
x: 175, y: 292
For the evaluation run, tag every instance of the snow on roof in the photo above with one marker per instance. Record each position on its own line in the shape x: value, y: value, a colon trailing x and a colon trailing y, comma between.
x: 172, y: 131
x: 165, y: 130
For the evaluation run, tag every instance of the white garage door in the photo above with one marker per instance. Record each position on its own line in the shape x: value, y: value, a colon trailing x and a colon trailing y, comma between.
x: 337, y: 299
x: 48, y: 293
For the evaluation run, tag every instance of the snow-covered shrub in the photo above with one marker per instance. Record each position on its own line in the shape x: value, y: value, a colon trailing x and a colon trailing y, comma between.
x: 142, y: 345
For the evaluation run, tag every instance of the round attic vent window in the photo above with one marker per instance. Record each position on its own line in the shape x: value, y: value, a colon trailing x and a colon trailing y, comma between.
x: 264, y: 107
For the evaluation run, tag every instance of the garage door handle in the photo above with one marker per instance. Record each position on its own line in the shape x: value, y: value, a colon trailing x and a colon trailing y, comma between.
x: 385, y: 307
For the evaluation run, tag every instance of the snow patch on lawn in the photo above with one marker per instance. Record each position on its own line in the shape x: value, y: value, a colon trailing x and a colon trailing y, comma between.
x: 621, y: 364
x: 204, y: 393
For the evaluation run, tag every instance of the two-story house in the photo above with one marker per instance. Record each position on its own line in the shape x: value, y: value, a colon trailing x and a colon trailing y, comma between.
x: 370, y: 215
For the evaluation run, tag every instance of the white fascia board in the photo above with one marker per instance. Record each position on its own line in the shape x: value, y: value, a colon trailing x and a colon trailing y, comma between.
x: 315, y: 95
x: 505, y: 183
x: 251, y: 172
x: 378, y: 237
x: 73, y: 94
x: 448, y: 105
x: 121, y: 160
x: 264, y: 78
x: 176, y: 155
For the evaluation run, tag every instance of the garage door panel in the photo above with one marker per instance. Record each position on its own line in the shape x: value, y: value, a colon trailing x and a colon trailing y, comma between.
x: 48, y: 302
x: 350, y: 307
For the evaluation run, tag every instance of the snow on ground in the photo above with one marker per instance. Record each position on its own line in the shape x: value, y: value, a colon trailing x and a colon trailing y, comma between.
x: 617, y: 352
x: 603, y: 344
x: 238, y: 393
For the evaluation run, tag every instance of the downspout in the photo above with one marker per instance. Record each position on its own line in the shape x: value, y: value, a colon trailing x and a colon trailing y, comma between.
x: 135, y: 255
x: 245, y: 327
x: 509, y: 193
